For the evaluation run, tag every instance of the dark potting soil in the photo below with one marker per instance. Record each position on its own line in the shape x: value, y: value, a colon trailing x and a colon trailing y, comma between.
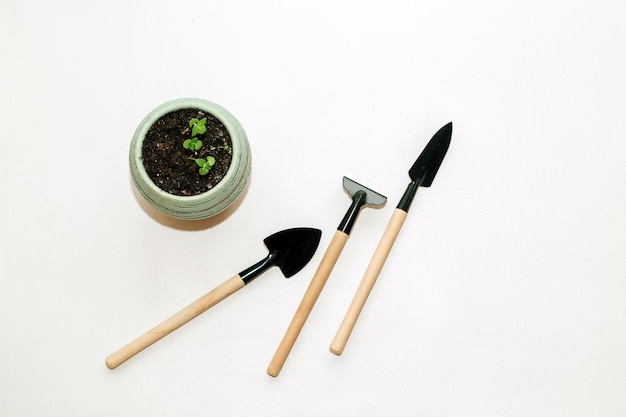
x: 172, y: 167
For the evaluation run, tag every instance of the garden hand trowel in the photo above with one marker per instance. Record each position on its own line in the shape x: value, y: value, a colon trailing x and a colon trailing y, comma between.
x: 422, y: 174
x: 290, y: 250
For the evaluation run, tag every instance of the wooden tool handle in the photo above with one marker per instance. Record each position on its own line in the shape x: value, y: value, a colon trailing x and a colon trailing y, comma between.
x: 369, y: 278
x: 306, y: 305
x: 183, y: 316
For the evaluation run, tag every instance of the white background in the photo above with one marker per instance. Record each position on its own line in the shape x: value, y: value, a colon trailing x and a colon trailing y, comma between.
x: 505, y: 294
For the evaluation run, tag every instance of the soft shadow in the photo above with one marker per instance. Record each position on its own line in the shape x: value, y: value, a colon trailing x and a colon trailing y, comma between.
x: 189, y: 225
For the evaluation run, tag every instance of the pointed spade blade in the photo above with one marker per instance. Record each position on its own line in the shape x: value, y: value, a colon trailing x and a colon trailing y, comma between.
x: 427, y: 164
x: 294, y: 248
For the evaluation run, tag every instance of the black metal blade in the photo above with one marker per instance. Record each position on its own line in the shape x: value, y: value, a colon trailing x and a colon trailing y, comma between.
x: 425, y: 168
x: 290, y: 250
x: 294, y: 247
x: 427, y: 164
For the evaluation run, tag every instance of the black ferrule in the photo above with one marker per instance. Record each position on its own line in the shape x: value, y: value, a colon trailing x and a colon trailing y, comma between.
x: 358, y: 200
x: 250, y: 274
x: 407, y: 197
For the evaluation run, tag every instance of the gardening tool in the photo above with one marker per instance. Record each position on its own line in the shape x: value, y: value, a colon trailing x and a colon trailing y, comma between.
x: 361, y: 197
x: 290, y: 250
x: 422, y: 174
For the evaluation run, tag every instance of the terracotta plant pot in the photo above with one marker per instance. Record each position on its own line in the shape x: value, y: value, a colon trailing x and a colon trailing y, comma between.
x: 208, y: 203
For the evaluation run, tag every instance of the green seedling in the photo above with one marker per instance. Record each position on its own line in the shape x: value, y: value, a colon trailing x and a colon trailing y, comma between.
x: 205, y: 164
x: 225, y: 147
x: 192, y: 144
x: 198, y: 126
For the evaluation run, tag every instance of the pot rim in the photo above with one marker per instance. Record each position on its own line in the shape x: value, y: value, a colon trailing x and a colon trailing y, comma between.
x: 234, y: 129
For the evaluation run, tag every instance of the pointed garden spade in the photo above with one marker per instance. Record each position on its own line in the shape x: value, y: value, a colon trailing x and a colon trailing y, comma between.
x: 422, y: 174
x: 290, y: 250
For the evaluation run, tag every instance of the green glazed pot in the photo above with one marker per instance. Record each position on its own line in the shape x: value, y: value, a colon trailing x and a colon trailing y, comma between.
x: 207, y: 204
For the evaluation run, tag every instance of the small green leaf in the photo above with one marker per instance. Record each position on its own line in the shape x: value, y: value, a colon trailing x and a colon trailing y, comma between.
x: 203, y: 171
x: 201, y: 162
x: 187, y: 144
x: 202, y: 126
x: 193, y: 121
x: 198, y: 144
x: 210, y: 160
